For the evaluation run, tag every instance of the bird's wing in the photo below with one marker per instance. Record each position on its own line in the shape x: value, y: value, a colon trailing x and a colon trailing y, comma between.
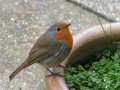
x: 44, y: 45
x: 40, y: 51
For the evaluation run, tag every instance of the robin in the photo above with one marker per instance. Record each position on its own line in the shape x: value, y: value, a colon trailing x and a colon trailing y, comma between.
x: 50, y: 49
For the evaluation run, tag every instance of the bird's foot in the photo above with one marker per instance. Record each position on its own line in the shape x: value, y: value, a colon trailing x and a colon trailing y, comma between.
x: 53, y: 73
x: 61, y: 66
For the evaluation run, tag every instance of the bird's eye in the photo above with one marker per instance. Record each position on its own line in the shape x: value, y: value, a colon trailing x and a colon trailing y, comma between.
x: 58, y: 29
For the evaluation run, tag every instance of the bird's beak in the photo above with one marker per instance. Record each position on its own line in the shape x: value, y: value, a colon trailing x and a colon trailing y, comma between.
x: 68, y: 25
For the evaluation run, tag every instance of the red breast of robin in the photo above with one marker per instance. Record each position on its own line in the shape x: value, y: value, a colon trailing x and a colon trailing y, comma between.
x: 50, y: 49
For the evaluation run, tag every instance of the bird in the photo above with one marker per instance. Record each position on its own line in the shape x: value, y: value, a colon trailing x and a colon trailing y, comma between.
x: 50, y: 49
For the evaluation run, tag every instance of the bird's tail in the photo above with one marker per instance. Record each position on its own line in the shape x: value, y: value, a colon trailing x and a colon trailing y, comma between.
x: 21, y: 67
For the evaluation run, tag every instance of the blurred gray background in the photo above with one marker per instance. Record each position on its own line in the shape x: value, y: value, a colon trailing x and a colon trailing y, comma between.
x: 23, y: 21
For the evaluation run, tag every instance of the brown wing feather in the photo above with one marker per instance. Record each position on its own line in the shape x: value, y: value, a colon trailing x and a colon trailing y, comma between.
x: 35, y: 58
x: 38, y: 53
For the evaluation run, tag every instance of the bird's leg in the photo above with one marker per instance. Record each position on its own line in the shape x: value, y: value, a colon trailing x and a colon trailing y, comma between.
x: 54, y: 72
x: 50, y: 71
x: 61, y: 66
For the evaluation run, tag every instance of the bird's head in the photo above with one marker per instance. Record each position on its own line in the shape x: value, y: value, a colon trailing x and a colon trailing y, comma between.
x: 62, y: 32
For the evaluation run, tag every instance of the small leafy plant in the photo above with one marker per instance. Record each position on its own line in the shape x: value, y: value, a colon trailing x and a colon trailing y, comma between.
x: 101, y: 75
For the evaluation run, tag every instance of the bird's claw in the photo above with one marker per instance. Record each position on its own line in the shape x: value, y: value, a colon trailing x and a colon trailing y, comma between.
x: 52, y: 73
x: 61, y: 66
x: 55, y: 74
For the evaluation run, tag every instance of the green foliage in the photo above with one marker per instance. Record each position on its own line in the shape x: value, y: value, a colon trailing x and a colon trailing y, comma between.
x: 102, y: 75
